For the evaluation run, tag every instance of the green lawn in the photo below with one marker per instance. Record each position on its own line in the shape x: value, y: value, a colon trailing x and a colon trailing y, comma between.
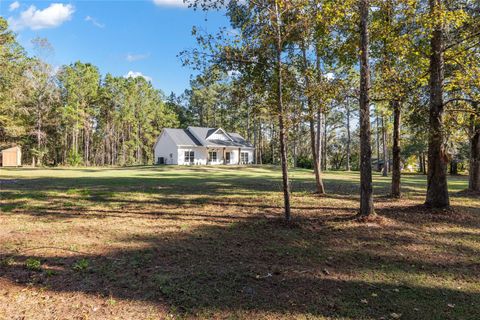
x: 209, y: 242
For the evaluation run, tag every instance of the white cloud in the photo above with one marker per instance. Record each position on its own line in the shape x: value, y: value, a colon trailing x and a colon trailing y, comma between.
x: 330, y: 76
x: 170, y: 3
x: 36, y: 19
x: 233, y: 73
x: 14, y: 6
x: 135, y: 74
x: 94, y: 22
x: 135, y: 57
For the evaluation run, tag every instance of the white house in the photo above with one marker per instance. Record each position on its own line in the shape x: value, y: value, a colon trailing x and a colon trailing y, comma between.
x: 199, y: 146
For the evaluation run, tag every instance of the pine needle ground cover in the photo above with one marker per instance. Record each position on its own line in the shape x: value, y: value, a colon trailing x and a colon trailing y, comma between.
x: 209, y: 243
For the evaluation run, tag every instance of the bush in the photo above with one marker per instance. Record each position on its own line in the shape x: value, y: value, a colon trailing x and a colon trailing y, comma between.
x: 81, y: 265
x: 304, y: 162
x: 33, y: 264
x: 74, y: 158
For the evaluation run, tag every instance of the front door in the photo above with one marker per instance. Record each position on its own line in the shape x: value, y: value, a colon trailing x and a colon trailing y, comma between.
x: 227, y: 157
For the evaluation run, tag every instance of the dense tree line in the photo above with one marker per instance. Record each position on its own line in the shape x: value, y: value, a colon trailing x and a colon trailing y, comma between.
x: 73, y: 115
x: 310, y: 71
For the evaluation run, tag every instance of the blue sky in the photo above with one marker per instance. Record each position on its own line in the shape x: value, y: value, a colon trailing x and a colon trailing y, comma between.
x: 120, y: 37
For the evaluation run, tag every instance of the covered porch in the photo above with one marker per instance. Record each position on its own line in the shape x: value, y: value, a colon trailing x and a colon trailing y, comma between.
x: 227, y: 155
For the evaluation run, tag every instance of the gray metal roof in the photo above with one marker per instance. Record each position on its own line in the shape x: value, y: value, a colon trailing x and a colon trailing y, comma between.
x: 182, y: 137
x: 198, y: 136
x: 239, y: 139
x: 203, y: 133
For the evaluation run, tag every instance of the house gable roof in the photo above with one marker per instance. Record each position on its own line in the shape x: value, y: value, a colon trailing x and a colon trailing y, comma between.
x: 199, y: 136
x: 203, y: 134
x: 182, y: 137
x: 213, y: 131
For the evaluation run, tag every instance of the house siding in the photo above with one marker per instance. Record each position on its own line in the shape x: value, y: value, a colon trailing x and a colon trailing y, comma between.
x: 170, y: 148
x: 166, y: 148
x: 200, y: 156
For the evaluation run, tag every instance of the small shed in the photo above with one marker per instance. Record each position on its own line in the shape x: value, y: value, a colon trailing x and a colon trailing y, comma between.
x: 11, y: 157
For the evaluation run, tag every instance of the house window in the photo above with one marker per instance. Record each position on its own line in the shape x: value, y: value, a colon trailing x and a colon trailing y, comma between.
x: 189, y: 156
x: 244, y: 157
x: 212, y: 156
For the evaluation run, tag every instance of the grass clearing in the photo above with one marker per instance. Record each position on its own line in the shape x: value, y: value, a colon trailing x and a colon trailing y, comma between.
x: 208, y: 242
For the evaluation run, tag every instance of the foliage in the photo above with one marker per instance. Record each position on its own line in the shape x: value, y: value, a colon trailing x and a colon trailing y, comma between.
x: 74, y: 158
x: 75, y: 116
x: 81, y: 265
x: 33, y: 264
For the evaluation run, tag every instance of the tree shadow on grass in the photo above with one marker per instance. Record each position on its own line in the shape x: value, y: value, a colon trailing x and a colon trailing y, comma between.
x: 420, y: 215
x: 261, y: 266
x: 249, y: 262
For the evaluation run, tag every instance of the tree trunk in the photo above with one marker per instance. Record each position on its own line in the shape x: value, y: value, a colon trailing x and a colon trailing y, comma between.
x: 366, y: 188
x: 255, y: 141
x: 249, y: 133
x: 281, y: 114
x: 349, y: 139
x: 474, y: 172
x: 437, y: 188
x: 39, y: 137
x: 320, y: 116
x: 313, y: 139
x: 396, y: 171
x: 377, y: 140
x: 316, y: 163
x: 420, y: 163
x: 260, y: 143
x: 318, y: 139
x: 385, y: 149
x: 86, y: 139
x: 424, y: 163
x: 454, y: 167
x: 294, y: 147
x: 272, y: 143
x: 324, y: 147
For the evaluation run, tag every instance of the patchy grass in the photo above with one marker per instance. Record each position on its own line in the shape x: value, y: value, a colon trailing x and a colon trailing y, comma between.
x: 209, y: 242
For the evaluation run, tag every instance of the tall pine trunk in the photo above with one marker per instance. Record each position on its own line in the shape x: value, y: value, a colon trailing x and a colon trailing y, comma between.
x: 474, y: 172
x: 396, y: 170
x: 385, y: 149
x: 313, y: 139
x: 260, y: 143
x: 349, y: 139
x: 39, y: 137
x: 325, y: 141
x: 281, y: 117
x: 320, y: 117
x: 437, y: 188
x: 377, y: 140
x: 318, y: 139
x: 86, y: 139
x: 366, y: 188
x: 255, y: 142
